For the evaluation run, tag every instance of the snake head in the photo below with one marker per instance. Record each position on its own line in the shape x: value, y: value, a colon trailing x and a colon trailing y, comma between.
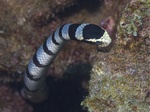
x: 96, y: 35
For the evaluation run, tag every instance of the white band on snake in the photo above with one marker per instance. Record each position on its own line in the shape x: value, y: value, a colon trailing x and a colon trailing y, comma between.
x: 35, y: 87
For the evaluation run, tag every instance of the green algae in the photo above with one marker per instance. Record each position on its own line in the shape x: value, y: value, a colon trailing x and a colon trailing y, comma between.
x: 132, y: 18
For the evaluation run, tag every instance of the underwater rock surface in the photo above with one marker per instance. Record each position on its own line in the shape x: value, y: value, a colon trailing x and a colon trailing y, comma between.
x: 120, y: 81
x: 24, y: 25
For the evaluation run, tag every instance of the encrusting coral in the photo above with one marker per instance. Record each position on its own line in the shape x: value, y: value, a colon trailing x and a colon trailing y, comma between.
x: 121, y: 82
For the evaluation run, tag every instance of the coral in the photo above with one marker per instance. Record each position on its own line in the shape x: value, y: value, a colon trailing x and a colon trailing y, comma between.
x: 25, y: 24
x: 120, y: 80
x: 116, y: 92
x: 132, y: 18
x: 11, y: 101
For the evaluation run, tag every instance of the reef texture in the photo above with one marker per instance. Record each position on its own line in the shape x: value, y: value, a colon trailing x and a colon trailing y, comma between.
x: 120, y: 80
x: 24, y: 25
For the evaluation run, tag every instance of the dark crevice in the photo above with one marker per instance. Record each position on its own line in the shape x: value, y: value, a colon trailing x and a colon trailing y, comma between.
x: 89, y: 5
x: 65, y: 95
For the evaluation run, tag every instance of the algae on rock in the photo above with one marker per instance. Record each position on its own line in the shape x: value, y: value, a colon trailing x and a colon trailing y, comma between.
x: 121, y: 81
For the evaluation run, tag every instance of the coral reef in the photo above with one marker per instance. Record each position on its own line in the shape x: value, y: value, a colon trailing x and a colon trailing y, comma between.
x: 21, y: 26
x: 24, y: 25
x: 117, y: 92
x: 120, y: 81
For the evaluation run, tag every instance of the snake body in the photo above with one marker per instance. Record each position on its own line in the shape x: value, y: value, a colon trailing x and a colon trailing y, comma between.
x: 35, y: 88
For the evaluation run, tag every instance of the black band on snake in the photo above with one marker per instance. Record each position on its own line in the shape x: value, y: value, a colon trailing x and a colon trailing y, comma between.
x: 35, y: 87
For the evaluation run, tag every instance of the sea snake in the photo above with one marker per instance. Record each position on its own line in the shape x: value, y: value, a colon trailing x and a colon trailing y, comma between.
x: 35, y: 88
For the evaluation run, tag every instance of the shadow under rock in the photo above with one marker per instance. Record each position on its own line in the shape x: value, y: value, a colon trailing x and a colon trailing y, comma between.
x: 66, y: 95
x: 89, y: 5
